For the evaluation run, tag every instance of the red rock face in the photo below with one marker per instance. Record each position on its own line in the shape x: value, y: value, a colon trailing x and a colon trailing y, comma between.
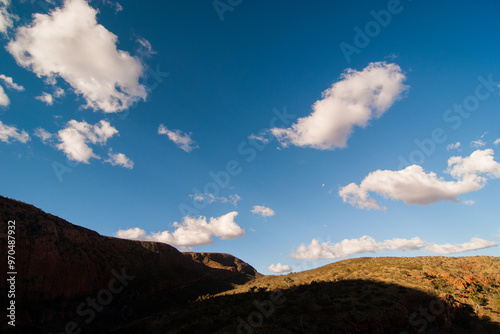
x: 58, y: 262
x: 223, y: 261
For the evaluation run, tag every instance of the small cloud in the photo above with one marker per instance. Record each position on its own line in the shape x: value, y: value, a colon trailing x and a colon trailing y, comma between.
x: 43, y: 134
x: 496, y: 142
x: 58, y: 92
x: 115, y: 5
x: 279, y: 268
x: 484, y: 134
x: 209, y: 198
x: 6, y: 19
x: 470, y: 202
x: 75, y: 137
x: 9, y: 82
x: 251, y: 230
x: 260, y: 138
x: 181, y: 139
x: 478, y: 143
x: 132, y: 234
x: 454, y: 146
x: 262, y: 211
x: 4, y: 99
x: 473, y: 244
x: 145, y: 49
x: 10, y: 132
x: 46, y: 98
x: 119, y: 159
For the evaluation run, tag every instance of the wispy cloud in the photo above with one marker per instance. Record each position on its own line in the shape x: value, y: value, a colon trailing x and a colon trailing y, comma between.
x: 43, y: 134
x: 46, y: 98
x: 181, y: 139
x: 119, y: 159
x: 10, y: 84
x: 6, y: 19
x: 454, y: 146
x: 11, y: 132
x: 209, y: 198
x: 473, y: 244
x: 478, y: 143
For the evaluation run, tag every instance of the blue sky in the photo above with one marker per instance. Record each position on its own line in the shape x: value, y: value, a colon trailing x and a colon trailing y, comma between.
x: 323, y: 123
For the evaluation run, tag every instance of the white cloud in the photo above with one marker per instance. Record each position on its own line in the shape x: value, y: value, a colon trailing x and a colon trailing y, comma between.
x: 353, y: 101
x: 46, y: 97
x: 49, y: 98
x: 74, y: 139
x: 119, y: 159
x: 262, y: 211
x: 132, y: 233
x: 454, y: 146
x: 473, y: 244
x: 413, y: 185
x: 469, y: 202
x: 209, y: 198
x: 9, y: 82
x: 193, y: 231
x: 260, y: 138
x: 182, y: 140
x: 478, y: 143
x: 145, y: 48
x: 496, y: 142
x: 279, y: 268
x: 6, y: 19
x: 58, y: 92
x: 4, y: 99
x: 115, y: 5
x: 479, y: 162
x: 69, y: 43
x: 348, y: 247
x: 43, y: 134
x: 10, y: 132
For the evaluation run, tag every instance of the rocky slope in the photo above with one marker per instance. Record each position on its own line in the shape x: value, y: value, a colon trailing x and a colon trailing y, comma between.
x: 59, y: 265
x: 365, y: 295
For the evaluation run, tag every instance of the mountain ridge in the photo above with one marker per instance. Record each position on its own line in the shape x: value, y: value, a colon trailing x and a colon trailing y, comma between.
x: 71, y: 276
